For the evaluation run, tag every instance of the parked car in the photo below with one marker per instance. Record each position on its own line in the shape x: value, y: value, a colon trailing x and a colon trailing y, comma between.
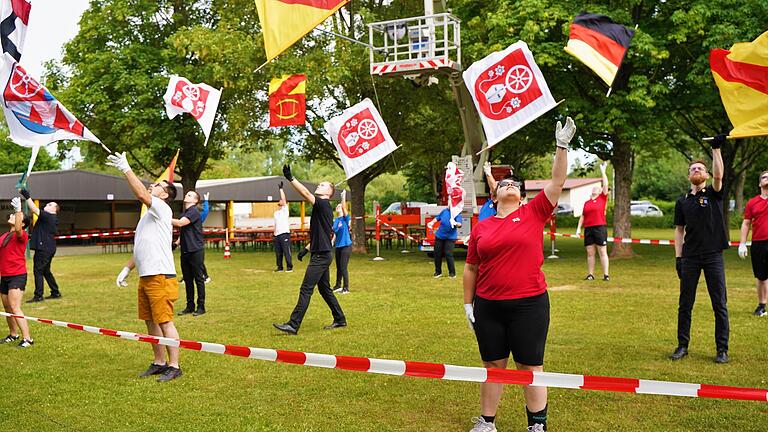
x: 396, y: 207
x: 564, y: 209
x: 645, y: 210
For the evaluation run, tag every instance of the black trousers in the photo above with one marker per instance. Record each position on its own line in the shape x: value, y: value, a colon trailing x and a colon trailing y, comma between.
x: 192, y: 270
x: 318, y: 273
x: 342, y: 262
x: 282, y: 244
x: 42, y: 271
x: 714, y: 274
x: 444, y: 248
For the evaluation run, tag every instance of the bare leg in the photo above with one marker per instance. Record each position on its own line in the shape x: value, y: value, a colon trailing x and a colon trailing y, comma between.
x: 762, y: 291
x: 157, y: 350
x: 14, y: 298
x: 14, y: 330
x: 603, y: 251
x: 490, y: 393
x: 591, y: 259
x: 535, y: 397
x: 169, y: 331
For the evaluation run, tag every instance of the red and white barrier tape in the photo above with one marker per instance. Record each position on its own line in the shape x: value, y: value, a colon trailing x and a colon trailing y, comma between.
x: 436, y: 370
x: 632, y: 240
x: 401, y: 233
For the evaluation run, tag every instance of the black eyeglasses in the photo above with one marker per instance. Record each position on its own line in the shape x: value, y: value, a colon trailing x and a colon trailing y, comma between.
x: 509, y: 182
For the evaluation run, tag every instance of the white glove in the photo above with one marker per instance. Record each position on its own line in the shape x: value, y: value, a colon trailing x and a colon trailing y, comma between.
x: 453, y: 223
x: 603, y: 166
x: 487, y: 168
x: 578, y: 232
x: 122, y: 277
x: 344, y: 195
x: 469, y: 311
x: 119, y: 161
x: 206, y: 195
x: 742, y: 250
x: 564, y: 134
x: 16, y: 203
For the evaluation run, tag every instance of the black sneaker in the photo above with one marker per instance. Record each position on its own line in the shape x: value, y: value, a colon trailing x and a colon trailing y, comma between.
x: 337, y: 289
x: 679, y: 353
x: 278, y: 270
x: 187, y: 310
x: 198, y: 312
x: 153, y: 369
x: 760, y: 311
x: 9, y: 339
x: 54, y: 296
x: 589, y: 277
x: 25, y: 343
x: 452, y: 276
x: 606, y: 278
x: 169, y: 373
x: 722, y: 357
x: 437, y: 275
x: 35, y: 300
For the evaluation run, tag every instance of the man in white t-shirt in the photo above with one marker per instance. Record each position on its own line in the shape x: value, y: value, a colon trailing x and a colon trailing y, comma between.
x: 282, y: 238
x: 153, y: 259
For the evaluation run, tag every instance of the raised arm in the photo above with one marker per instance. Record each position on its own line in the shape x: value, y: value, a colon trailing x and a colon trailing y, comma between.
x: 717, y: 163
x: 303, y: 191
x: 18, y: 219
x: 489, y: 176
x: 283, y: 200
x: 206, y: 207
x: 30, y: 203
x: 603, y: 166
x: 119, y: 161
x: 563, y: 136
x: 344, y: 203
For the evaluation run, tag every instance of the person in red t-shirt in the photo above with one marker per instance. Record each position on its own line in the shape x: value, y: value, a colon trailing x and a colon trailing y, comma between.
x: 505, y: 294
x: 13, y: 274
x: 595, y: 230
x: 756, y: 218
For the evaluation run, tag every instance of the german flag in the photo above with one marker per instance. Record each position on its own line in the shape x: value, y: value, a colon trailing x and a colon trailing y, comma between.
x: 287, y: 100
x: 283, y: 22
x: 599, y: 43
x: 741, y: 74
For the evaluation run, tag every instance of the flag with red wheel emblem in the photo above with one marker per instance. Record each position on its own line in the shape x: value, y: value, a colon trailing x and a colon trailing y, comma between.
x: 360, y: 136
x: 35, y: 118
x: 453, y: 179
x: 509, y: 91
x: 287, y: 100
x: 198, y: 100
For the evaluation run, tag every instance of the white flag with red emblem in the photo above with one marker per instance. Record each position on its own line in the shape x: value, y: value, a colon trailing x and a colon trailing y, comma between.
x: 453, y: 179
x: 360, y: 136
x: 198, y: 100
x: 509, y: 91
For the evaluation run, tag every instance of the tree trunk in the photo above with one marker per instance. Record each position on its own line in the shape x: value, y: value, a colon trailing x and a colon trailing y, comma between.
x: 623, y: 165
x: 739, y: 192
x: 357, y: 186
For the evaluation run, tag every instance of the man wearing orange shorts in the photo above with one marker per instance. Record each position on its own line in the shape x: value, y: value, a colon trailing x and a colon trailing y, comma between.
x: 153, y: 259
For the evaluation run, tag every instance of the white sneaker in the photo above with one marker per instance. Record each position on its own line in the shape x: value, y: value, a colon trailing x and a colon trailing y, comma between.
x: 537, y: 427
x: 337, y: 290
x: 208, y: 280
x: 482, y: 426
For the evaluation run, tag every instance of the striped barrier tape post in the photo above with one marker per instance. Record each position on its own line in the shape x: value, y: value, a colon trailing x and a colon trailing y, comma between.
x: 409, y: 237
x: 436, y: 370
x: 634, y: 241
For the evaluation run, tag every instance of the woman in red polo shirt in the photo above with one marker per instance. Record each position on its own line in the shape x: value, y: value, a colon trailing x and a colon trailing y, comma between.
x: 595, y: 229
x: 505, y: 294
x: 13, y: 274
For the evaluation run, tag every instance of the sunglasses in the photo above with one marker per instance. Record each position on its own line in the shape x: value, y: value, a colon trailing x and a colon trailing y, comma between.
x: 694, y: 169
x: 509, y: 182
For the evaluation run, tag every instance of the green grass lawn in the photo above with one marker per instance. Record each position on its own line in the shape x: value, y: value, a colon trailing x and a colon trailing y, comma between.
x: 75, y: 381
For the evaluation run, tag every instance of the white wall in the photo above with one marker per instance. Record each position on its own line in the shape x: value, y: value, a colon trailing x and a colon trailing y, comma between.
x: 578, y: 196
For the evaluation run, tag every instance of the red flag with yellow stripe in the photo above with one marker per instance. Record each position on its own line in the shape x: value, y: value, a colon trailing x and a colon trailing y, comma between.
x: 741, y: 74
x: 166, y: 176
x: 283, y: 22
x: 287, y: 100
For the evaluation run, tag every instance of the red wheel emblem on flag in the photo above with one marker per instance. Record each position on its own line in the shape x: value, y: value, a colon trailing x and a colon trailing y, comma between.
x: 506, y: 87
x: 24, y: 87
x: 360, y: 134
x: 190, y: 98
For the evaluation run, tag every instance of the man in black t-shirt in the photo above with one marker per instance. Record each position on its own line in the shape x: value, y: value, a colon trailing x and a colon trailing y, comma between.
x: 42, y: 241
x: 192, y: 253
x: 700, y: 239
x: 321, y: 250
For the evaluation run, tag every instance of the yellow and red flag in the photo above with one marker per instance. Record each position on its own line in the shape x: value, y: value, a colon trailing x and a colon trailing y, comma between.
x: 288, y: 101
x: 283, y: 22
x: 166, y: 176
x: 741, y: 74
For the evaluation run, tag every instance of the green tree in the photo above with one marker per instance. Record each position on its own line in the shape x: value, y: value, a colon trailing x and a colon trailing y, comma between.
x: 15, y: 158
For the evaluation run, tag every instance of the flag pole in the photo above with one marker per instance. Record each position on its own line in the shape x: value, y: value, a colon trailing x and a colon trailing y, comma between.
x: 609, y: 91
x: 728, y: 138
x: 264, y: 64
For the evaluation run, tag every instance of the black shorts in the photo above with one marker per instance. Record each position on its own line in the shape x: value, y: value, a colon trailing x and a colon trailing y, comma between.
x: 596, y: 235
x: 759, y: 255
x: 517, y: 326
x: 13, y: 282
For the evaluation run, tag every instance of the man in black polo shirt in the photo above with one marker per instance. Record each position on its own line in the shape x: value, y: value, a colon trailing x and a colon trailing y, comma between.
x: 321, y: 250
x: 700, y: 239
x: 43, y: 243
x: 192, y: 253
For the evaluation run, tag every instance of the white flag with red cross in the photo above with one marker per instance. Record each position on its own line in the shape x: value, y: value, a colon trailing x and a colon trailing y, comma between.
x: 360, y: 136
x: 198, y: 100
x: 453, y: 179
x: 509, y: 91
